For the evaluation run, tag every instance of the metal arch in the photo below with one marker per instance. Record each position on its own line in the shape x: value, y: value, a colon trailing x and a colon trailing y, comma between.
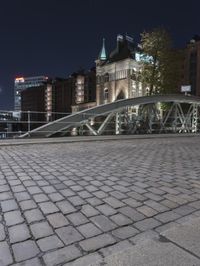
x: 114, y: 107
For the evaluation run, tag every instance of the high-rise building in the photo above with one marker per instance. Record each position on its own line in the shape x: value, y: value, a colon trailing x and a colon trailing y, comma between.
x: 117, y: 72
x: 22, y: 83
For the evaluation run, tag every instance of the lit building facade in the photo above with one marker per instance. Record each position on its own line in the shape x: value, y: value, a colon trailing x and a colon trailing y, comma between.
x: 84, y: 90
x: 117, y: 73
x: 22, y: 83
x: 62, y: 93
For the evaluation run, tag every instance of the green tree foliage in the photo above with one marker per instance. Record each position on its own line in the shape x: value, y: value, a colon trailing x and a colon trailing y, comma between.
x: 161, y: 65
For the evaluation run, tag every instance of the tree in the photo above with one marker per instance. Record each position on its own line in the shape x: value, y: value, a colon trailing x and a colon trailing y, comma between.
x: 161, y: 65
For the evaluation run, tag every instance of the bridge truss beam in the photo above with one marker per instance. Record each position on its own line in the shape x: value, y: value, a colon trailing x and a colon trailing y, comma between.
x: 149, y: 118
x: 130, y: 116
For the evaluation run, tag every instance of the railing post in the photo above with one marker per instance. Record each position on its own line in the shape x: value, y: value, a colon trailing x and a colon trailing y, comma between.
x: 29, y: 122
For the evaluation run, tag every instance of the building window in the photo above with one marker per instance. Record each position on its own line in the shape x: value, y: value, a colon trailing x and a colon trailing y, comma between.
x: 122, y: 74
x: 98, y: 79
x: 106, y: 77
x: 105, y: 96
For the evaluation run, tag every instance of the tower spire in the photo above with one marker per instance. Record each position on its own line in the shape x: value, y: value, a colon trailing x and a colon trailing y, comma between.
x: 103, y: 54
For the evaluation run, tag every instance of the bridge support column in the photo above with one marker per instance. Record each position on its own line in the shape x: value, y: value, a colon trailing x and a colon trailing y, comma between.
x: 118, y: 122
x: 194, y: 118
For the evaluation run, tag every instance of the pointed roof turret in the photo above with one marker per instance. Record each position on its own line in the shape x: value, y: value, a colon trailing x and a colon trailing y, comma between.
x: 103, y: 54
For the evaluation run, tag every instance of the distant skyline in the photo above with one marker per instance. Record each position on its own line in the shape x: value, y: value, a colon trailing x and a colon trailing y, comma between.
x: 56, y: 37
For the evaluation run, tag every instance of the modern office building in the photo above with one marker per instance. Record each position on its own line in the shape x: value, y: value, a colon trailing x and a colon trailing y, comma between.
x: 22, y: 83
x: 116, y: 73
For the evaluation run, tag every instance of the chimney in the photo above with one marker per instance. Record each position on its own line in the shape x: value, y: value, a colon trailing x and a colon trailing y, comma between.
x: 120, y: 40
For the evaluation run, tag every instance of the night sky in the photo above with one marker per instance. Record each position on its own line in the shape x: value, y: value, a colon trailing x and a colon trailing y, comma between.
x: 58, y: 37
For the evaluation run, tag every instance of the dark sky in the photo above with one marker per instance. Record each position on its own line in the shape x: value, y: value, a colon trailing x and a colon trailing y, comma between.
x: 57, y: 37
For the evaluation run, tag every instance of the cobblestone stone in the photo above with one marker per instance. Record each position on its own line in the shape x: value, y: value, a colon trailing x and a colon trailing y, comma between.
x: 5, y: 255
x: 113, y: 202
x: 22, y: 196
x: 132, y: 213
x: 104, y: 223
x: 106, y: 209
x: 156, y: 206
x: 65, y: 207
x: 5, y: 196
x: 41, y: 229
x: 77, y: 218
x: 94, y: 201
x: 48, y: 207
x: 34, y: 215
x: 34, y: 190
x: 13, y: 217
x: 89, y: 230
x: 184, y: 210
x: 97, y: 242
x: 2, y: 232
x: 56, y: 197
x: 18, y: 233
x: 89, y: 211
x: 147, y: 211
x: 40, y: 198
x: 120, y: 219
x: 147, y: 224
x: 25, y: 250
x: 50, y: 242
x: 57, y: 220
x: 27, y: 205
x: 31, y: 262
x: 9, y: 205
x: 61, y: 255
x: 69, y: 235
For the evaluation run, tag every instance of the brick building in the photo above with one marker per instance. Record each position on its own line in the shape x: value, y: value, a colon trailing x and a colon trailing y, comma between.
x: 192, y: 65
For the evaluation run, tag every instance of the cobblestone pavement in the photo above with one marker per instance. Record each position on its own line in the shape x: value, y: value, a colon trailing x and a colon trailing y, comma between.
x: 81, y: 201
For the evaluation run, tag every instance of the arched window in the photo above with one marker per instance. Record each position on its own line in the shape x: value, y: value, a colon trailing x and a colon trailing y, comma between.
x: 106, y: 77
x: 120, y: 96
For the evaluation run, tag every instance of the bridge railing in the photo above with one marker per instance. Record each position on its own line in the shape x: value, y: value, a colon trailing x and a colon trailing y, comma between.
x: 15, y: 123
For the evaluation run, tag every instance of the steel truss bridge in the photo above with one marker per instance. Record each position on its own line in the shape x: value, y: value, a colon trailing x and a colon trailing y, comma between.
x: 142, y: 115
